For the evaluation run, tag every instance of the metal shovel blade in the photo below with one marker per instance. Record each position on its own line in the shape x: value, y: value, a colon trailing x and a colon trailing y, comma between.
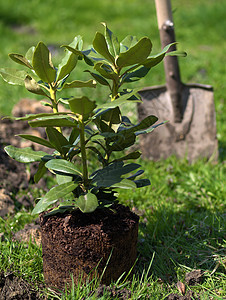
x: 193, y: 137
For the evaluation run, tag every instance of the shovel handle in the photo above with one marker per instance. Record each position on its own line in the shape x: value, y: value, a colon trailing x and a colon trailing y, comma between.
x: 171, y: 66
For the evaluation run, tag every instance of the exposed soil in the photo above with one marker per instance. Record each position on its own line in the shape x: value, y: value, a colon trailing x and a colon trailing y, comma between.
x: 89, y: 240
x: 13, y: 175
x: 13, y: 287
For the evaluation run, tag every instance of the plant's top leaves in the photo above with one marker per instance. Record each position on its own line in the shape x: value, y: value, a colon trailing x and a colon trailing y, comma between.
x: 136, y: 75
x: 29, y: 54
x: 42, y: 63
x: 100, y: 45
x: 70, y: 59
x: 106, y: 70
x: 20, y: 59
x: 112, y: 41
x: 136, y: 54
x: 99, y: 78
x: 153, y: 60
x: 128, y: 42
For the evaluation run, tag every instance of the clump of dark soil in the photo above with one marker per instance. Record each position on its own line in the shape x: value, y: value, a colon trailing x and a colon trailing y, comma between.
x: 29, y: 232
x: 122, y: 294
x: 13, y: 287
x: 89, y: 239
x: 188, y: 296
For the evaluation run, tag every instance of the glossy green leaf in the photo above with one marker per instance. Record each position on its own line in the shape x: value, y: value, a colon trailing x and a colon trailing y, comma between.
x: 69, y: 61
x: 13, y: 76
x: 42, y: 115
x: 136, y: 75
x: 53, y: 195
x: 123, y: 141
x: 80, y: 84
x: 112, y: 116
x: 52, y: 123
x: 105, y: 70
x: 142, y: 182
x: 36, y: 140
x: 74, y: 50
x: 125, y: 184
x: 99, y: 78
x: 73, y: 135
x: 128, y: 42
x: 40, y: 172
x: 152, y: 61
x: 111, y: 119
x: 144, y: 124
x: 100, y: 45
x: 99, y: 155
x: 57, y: 140
x: 63, y: 178
x: 177, y: 53
x: 20, y: 59
x: 111, y: 175
x: 87, y: 203
x: 136, y: 54
x: 24, y: 155
x: 29, y: 54
x: 91, y: 56
x: 42, y: 63
x: 133, y: 155
x: 112, y: 41
x: 63, y: 166
x: 60, y: 210
x: 149, y: 129
x: 82, y: 106
x: 118, y: 102
x: 138, y: 173
x: 67, y: 65
x: 32, y: 86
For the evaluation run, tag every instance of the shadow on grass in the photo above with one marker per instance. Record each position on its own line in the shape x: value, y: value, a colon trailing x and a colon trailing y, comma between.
x: 189, y: 239
x: 222, y: 151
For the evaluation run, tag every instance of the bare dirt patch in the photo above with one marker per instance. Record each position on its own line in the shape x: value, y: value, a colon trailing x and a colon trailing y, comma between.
x: 16, y: 288
x: 14, y: 176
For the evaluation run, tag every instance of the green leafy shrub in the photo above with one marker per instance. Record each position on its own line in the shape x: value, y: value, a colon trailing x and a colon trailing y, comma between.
x: 101, y: 129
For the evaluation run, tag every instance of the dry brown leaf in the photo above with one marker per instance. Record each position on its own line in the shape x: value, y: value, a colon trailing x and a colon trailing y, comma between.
x: 181, y: 287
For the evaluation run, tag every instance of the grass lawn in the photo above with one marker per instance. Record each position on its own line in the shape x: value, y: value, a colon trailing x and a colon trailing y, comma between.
x: 182, y: 214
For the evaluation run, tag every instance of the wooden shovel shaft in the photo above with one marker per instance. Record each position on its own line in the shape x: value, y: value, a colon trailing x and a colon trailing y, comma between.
x: 171, y: 66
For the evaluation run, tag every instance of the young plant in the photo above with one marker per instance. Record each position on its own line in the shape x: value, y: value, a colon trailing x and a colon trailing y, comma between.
x: 101, y: 128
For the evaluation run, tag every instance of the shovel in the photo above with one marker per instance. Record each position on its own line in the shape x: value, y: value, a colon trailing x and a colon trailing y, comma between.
x: 191, y: 128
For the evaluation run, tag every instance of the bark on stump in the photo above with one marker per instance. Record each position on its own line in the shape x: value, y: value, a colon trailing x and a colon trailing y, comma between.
x: 81, y: 245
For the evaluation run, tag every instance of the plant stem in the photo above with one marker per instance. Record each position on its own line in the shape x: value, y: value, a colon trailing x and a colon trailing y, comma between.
x: 115, y: 89
x: 54, y: 103
x: 83, y: 153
